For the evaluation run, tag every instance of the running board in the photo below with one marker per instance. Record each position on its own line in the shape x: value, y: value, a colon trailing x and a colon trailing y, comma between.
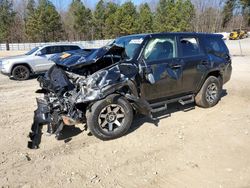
x: 161, y: 106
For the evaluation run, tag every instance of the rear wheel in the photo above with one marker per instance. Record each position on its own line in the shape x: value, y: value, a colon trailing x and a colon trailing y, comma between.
x: 110, y: 118
x: 21, y: 72
x: 210, y: 93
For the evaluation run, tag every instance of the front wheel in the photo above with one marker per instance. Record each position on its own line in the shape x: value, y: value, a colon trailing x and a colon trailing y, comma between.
x: 210, y: 93
x: 21, y: 72
x: 110, y: 118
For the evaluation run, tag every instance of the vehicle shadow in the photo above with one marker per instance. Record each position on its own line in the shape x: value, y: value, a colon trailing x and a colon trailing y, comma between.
x: 32, y: 77
x: 68, y: 132
x: 139, y: 119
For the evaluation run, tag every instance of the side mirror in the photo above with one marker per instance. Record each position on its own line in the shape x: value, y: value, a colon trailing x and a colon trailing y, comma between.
x: 39, y: 53
x: 150, y: 78
x: 147, y: 72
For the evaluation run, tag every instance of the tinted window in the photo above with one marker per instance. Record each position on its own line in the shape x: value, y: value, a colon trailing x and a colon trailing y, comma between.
x: 51, y: 50
x: 70, y: 48
x: 215, y: 44
x: 160, y: 48
x: 189, y: 46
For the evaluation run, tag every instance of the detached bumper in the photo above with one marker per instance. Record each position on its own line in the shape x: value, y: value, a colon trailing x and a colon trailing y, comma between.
x: 41, y: 117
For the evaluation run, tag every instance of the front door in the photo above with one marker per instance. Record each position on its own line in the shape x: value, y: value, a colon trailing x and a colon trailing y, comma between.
x: 42, y: 62
x: 160, y: 58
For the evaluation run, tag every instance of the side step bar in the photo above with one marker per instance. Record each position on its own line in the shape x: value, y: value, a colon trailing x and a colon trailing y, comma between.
x: 161, y: 106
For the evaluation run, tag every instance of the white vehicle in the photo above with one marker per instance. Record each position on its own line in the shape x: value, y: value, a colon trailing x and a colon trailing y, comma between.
x: 33, y: 62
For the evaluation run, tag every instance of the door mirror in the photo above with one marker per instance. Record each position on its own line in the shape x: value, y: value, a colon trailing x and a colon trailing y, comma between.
x: 39, y: 53
x: 147, y: 72
x: 150, y: 78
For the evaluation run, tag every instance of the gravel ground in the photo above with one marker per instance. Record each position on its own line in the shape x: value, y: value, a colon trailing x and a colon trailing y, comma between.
x: 198, y: 148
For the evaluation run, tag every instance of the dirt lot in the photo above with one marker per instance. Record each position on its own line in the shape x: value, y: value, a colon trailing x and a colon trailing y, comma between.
x: 198, y: 148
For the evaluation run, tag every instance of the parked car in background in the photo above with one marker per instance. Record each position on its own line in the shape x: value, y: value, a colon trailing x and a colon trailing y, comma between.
x: 33, y: 62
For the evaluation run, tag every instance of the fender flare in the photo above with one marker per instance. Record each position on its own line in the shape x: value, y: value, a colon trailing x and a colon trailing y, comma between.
x: 25, y: 64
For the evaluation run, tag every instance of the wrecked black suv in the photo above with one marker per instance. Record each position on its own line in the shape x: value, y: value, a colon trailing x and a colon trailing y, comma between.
x: 138, y: 73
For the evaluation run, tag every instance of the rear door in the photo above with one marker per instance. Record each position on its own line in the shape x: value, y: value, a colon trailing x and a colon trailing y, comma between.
x: 194, y: 62
x: 160, y: 57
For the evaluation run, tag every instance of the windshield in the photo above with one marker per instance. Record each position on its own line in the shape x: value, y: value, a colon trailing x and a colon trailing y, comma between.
x: 130, y: 43
x: 32, y: 51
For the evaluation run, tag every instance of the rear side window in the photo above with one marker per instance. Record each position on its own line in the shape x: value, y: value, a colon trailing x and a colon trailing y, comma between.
x: 190, y: 46
x: 70, y: 48
x: 215, y: 44
x: 51, y: 50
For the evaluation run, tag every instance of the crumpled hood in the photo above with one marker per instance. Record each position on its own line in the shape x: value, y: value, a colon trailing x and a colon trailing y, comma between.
x: 78, y: 59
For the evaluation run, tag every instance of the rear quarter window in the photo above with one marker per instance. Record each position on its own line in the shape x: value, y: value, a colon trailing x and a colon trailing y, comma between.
x: 215, y: 44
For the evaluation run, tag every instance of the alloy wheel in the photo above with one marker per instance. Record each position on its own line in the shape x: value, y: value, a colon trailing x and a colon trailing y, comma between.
x: 111, y: 117
x: 21, y: 73
x: 212, y: 93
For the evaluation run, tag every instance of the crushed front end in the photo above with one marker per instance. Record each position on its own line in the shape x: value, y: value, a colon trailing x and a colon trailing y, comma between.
x: 70, y: 90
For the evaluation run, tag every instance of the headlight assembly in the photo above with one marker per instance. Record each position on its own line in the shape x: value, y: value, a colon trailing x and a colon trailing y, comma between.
x: 5, y: 62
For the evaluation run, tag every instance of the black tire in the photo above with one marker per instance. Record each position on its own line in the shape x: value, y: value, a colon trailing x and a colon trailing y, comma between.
x: 210, y: 93
x: 103, y: 111
x: 21, y: 72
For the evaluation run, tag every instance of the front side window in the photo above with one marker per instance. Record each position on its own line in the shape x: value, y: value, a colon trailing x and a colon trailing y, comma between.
x: 160, y: 48
x: 55, y: 49
x: 189, y: 46
x: 51, y: 50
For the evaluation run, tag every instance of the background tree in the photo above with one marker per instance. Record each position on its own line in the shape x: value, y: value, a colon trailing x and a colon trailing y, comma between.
x: 110, y: 13
x: 31, y: 7
x: 174, y: 16
x: 40, y: 20
x: 145, y: 19
x: 228, y: 12
x: 246, y: 11
x: 7, y: 15
x: 99, y: 20
x: 80, y: 20
x: 161, y: 16
x: 125, y: 19
x: 208, y: 16
x: 28, y: 15
x: 45, y: 23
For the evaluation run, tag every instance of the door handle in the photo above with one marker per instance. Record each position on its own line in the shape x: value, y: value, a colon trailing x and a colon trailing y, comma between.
x: 176, y: 66
x: 204, y: 62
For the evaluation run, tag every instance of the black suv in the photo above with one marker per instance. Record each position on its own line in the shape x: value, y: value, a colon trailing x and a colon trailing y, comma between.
x: 142, y: 73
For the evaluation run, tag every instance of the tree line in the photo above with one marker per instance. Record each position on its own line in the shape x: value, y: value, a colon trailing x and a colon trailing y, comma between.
x: 40, y: 21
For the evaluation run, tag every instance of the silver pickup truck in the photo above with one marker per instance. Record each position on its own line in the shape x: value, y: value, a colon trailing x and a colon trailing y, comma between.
x: 33, y: 62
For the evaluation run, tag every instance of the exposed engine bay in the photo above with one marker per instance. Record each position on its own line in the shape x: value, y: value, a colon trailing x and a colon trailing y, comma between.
x: 74, y: 83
